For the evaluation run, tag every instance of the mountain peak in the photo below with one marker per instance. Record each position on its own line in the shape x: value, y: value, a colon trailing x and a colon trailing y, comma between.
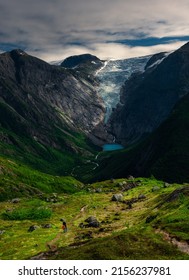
x: 18, y: 52
x: 75, y: 60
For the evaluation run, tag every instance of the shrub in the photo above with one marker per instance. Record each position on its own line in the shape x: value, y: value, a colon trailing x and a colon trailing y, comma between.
x: 28, y: 214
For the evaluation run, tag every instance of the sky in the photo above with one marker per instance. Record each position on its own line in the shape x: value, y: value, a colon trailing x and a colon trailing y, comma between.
x: 55, y: 29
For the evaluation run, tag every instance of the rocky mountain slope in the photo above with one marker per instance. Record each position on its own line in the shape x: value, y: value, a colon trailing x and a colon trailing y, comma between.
x: 148, y: 98
x: 84, y: 63
x: 49, y: 114
x: 164, y: 154
x: 162, y: 114
x: 46, y: 107
x: 107, y: 78
x: 71, y: 98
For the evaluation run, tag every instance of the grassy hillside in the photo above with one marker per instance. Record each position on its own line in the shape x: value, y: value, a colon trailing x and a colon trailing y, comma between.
x: 75, y: 149
x: 17, y: 180
x: 135, y: 231
x: 165, y: 154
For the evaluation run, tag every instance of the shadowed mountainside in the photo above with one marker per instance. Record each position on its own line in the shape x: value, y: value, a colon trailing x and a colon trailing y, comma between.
x: 164, y: 154
x: 148, y: 98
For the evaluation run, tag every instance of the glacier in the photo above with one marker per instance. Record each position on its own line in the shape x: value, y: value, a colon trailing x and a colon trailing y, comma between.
x: 112, y: 75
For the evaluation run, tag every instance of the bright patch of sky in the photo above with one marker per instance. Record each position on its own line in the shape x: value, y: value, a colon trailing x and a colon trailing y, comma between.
x: 53, y: 30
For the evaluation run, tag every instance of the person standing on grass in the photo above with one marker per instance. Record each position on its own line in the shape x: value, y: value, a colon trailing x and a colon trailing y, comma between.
x: 64, y: 225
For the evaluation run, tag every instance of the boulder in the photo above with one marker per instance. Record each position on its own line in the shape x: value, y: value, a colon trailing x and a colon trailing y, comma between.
x: 155, y: 188
x: 52, y: 199
x: 131, y: 201
x: 32, y: 228
x: 120, y: 184
x: 92, y: 222
x: 15, y: 200
x: 141, y: 196
x: 129, y: 186
x: 117, y: 197
x: 81, y: 225
x: 166, y: 185
x: 130, y: 177
x: 47, y: 226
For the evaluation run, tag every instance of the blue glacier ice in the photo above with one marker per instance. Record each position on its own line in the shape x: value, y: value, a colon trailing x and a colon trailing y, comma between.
x: 112, y: 76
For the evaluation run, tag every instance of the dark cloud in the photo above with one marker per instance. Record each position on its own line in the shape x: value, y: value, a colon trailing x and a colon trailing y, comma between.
x: 161, y: 22
x: 52, y: 26
x: 150, y: 41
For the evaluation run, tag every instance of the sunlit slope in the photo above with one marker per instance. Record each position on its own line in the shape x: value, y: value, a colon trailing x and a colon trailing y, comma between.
x: 132, y: 228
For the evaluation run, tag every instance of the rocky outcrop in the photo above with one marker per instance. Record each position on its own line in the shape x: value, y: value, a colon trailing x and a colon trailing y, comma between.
x: 32, y: 228
x: 156, y: 59
x: 79, y: 61
x: 117, y: 197
x: 90, y: 222
x: 176, y: 194
x: 148, y: 98
x: 38, y: 98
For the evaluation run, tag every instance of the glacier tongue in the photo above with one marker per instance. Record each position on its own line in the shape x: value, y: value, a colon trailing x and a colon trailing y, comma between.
x: 112, y: 76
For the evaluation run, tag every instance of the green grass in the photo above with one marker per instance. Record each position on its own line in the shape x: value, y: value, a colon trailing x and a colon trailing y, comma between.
x: 126, y: 245
x: 56, y: 149
x: 124, y: 233
x: 46, y: 159
x: 173, y: 217
x: 17, y: 180
x: 27, y: 214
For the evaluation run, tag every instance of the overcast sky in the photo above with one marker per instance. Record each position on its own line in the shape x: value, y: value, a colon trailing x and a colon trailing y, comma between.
x: 55, y: 29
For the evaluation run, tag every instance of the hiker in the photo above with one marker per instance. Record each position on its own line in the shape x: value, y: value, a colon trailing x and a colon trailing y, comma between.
x: 64, y: 226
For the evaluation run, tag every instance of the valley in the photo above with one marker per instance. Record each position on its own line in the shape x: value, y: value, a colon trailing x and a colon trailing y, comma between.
x: 100, y: 144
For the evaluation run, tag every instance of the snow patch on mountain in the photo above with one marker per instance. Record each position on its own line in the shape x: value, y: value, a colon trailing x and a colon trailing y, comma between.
x: 160, y: 60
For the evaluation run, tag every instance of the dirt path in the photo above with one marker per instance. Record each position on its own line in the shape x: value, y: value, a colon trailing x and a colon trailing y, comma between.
x: 51, y: 245
x: 183, y: 246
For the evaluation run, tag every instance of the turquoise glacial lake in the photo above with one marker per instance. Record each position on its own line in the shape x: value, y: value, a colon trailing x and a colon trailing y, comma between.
x: 112, y: 147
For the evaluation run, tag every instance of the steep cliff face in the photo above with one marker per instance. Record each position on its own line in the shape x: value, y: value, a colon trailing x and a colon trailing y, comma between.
x: 47, y: 113
x: 147, y: 98
x: 86, y: 67
x: 40, y: 94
